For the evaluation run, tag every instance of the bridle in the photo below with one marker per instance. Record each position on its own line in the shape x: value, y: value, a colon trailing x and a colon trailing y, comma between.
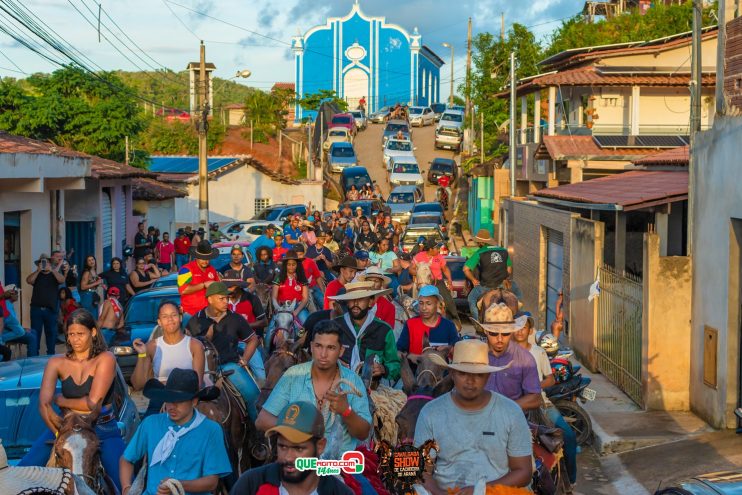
x: 92, y: 480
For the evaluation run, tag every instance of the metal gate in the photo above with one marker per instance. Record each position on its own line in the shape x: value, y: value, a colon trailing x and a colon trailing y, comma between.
x: 80, y: 236
x: 619, y: 342
x: 106, y: 222
x: 554, y: 272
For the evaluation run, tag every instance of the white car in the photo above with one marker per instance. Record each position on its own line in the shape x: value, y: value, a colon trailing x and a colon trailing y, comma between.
x: 422, y: 116
x: 247, y: 230
x: 337, y: 135
x: 396, y: 148
x: 405, y: 172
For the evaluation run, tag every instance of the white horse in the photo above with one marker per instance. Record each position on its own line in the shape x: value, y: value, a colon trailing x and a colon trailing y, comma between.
x: 283, y: 328
x: 423, y: 276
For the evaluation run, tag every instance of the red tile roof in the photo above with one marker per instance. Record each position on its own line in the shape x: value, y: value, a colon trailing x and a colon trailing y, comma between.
x: 10, y: 143
x: 630, y: 190
x: 585, y: 148
x: 146, y: 189
x: 102, y: 168
x: 284, y: 85
x: 674, y: 156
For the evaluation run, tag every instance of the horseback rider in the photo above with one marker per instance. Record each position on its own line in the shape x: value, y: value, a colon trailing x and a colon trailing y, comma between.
x: 183, y: 448
x: 441, y: 332
x: 346, y: 269
x: 441, y: 275
x: 315, y: 278
x: 236, y: 269
x: 385, y: 310
x: 173, y: 349
x: 299, y: 432
x: 265, y: 268
x: 494, y: 265
x: 481, y: 435
x: 226, y: 329
x: 86, y: 372
x: 195, y: 277
x: 364, y: 335
x: 246, y: 304
x: 291, y: 285
x: 327, y: 385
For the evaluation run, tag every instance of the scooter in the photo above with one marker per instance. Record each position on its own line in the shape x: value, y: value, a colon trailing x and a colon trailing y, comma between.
x: 570, y: 390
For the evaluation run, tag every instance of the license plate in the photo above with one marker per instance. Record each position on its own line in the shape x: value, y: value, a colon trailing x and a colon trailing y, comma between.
x: 588, y: 394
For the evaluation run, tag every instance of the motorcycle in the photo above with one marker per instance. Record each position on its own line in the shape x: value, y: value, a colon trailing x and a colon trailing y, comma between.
x: 442, y: 196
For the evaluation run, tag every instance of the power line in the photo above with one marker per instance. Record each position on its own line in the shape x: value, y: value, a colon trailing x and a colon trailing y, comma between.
x: 180, y: 20
x: 13, y: 70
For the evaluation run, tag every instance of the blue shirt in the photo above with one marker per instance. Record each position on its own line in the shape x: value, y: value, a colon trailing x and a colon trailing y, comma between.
x: 296, y: 385
x: 262, y: 240
x: 200, y: 452
x: 295, y: 233
x: 520, y: 378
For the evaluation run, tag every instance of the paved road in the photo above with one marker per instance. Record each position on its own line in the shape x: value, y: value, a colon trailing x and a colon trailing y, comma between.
x: 367, y: 145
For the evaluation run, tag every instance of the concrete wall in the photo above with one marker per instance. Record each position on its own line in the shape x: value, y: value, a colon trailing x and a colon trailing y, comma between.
x: 716, y: 271
x: 666, y: 328
x: 160, y: 214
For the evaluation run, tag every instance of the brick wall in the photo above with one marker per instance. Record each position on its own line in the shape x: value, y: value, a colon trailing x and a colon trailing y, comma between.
x: 529, y: 253
x: 733, y: 63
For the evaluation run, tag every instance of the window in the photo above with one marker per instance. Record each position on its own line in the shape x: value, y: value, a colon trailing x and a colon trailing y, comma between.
x: 262, y: 204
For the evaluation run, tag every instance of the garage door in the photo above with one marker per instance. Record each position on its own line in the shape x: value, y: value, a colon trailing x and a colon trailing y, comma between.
x: 106, y: 221
x: 554, y: 263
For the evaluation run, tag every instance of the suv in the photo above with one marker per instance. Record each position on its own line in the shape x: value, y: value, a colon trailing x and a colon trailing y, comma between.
x: 450, y: 131
x: 246, y: 231
x: 401, y: 201
x: 421, y: 116
x: 396, y: 148
x: 393, y: 127
x: 354, y: 176
x: 341, y: 156
x: 344, y: 120
x: 438, y: 109
x: 404, y: 171
x: 440, y: 167
x: 280, y: 213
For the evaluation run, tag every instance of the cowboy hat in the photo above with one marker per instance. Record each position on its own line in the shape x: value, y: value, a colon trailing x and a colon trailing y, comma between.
x: 499, y: 318
x: 42, y: 256
x: 204, y: 251
x: 346, y: 262
x: 469, y: 356
x: 181, y: 386
x: 234, y: 282
x: 375, y: 272
x: 359, y: 290
x: 32, y: 479
x: 483, y: 236
x: 290, y: 255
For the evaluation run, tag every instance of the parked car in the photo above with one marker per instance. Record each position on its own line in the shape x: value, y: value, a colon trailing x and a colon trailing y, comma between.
x: 337, y: 135
x: 461, y: 286
x: 344, y: 120
x: 396, y: 148
x: 720, y: 483
x: 169, y: 280
x: 20, y: 422
x: 421, y: 116
x: 354, y: 176
x: 225, y: 253
x: 424, y: 217
x: 401, y: 201
x: 456, y: 108
x: 438, y: 109
x: 405, y: 172
x: 368, y: 206
x: 380, y: 115
x: 408, y: 239
x: 341, y: 156
x: 280, y: 213
x: 360, y: 119
x: 393, y: 127
x: 246, y: 231
x: 140, y: 319
x: 450, y: 130
x: 440, y: 167
x: 430, y: 206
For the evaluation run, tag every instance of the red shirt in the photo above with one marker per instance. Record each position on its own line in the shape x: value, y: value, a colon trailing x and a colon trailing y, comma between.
x: 436, y: 262
x: 182, y: 245
x: 166, y: 251
x: 385, y: 311
x: 289, y: 290
x: 191, y: 274
x: 444, y: 180
x: 311, y: 270
x: 333, y: 288
x: 244, y: 309
x: 278, y: 253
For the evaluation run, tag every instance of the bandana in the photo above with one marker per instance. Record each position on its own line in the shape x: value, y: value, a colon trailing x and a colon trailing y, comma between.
x: 166, y: 445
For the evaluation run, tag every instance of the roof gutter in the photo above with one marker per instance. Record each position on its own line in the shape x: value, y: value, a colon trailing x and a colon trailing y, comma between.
x: 576, y: 204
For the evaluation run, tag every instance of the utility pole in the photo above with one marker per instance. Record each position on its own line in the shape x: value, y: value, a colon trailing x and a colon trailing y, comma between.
x: 280, y: 147
x: 126, y: 142
x: 512, y: 124
x: 502, y: 27
x: 695, y: 111
x: 203, y: 129
x: 321, y: 136
x: 468, y: 106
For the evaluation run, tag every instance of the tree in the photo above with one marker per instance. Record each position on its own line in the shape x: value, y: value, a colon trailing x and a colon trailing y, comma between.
x: 178, y: 138
x: 312, y: 101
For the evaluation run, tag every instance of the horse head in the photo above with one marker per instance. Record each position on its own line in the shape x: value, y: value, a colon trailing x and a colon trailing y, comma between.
x: 77, y: 447
x: 279, y: 361
x: 496, y: 296
x: 424, y: 274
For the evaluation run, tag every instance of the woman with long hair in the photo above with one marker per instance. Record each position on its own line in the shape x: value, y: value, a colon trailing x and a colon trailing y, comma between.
x: 365, y: 237
x: 264, y: 267
x: 292, y: 285
x: 144, y: 275
x: 67, y: 305
x: 117, y: 277
x: 86, y: 372
x: 89, y: 283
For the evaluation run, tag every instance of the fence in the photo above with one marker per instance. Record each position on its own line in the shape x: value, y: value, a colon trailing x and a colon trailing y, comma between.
x: 619, y: 339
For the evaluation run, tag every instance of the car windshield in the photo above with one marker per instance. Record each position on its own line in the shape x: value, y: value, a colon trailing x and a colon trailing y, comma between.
x: 453, y: 117
x: 406, y: 168
x: 357, y: 180
x: 418, y: 219
x: 440, y: 166
x: 143, y: 309
x: 428, y: 207
x: 396, y: 127
x: 342, y: 151
x: 438, y: 107
x: 341, y: 120
x: 410, y: 237
x: 357, y: 115
x: 365, y: 207
x: 338, y: 132
x: 401, y: 198
x: 399, y: 145
x: 268, y: 214
x: 416, y: 110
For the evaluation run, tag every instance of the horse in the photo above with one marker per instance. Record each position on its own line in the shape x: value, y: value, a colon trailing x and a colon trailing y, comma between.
x: 263, y: 291
x: 282, y: 358
x: 499, y: 295
x: 423, y: 276
x: 284, y: 327
x: 77, y: 448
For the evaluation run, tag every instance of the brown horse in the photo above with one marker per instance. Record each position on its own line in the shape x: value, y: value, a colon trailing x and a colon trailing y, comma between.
x: 499, y: 295
x: 283, y: 357
x: 77, y: 448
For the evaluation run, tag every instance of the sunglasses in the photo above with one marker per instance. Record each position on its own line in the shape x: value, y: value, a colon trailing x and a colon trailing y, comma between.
x: 497, y: 334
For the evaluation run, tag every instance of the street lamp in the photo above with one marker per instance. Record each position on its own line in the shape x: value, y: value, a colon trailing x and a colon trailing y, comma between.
x: 450, y: 97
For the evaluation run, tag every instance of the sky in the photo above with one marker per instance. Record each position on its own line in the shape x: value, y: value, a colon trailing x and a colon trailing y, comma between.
x: 249, y: 34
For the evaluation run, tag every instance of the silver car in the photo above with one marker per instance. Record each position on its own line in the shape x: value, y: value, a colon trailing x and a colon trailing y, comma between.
x: 421, y: 116
x: 450, y: 130
x: 360, y: 118
x: 402, y: 200
x: 395, y: 148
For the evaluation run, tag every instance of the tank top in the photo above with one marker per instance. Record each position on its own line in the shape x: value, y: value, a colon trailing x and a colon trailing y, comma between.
x: 171, y: 356
x: 144, y: 278
x: 72, y: 390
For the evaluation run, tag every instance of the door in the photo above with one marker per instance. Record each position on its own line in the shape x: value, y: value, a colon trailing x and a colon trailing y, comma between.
x: 355, y: 86
x: 554, y: 272
x: 80, y: 238
x: 106, y: 221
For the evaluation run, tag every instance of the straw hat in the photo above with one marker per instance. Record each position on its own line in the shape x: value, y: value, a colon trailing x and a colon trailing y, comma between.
x: 377, y: 273
x: 359, y: 290
x: 469, y: 356
x: 499, y: 318
x: 483, y: 235
x: 32, y: 479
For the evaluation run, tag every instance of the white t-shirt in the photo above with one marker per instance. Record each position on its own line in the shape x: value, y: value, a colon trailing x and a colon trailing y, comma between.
x: 543, y: 365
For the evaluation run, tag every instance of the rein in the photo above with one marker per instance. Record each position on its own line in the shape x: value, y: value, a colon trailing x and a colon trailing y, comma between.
x: 419, y: 396
x: 436, y: 380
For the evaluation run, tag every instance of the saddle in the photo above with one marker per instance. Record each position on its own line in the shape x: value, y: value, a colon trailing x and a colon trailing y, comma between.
x: 233, y: 393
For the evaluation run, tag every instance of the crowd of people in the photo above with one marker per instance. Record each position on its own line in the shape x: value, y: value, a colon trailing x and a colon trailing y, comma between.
x: 344, y: 285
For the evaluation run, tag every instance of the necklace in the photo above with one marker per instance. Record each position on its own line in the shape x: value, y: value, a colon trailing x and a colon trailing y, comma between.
x: 321, y: 398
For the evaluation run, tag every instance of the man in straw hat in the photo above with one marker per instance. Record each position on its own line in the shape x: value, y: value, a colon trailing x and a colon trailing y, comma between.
x: 195, y: 277
x: 494, y: 266
x: 180, y: 444
x: 521, y: 381
x: 363, y: 334
x: 385, y: 310
x: 346, y: 269
x: 481, y: 435
x: 299, y: 432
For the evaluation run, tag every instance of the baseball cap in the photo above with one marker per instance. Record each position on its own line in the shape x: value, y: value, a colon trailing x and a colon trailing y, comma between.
x: 217, y: 289
x: 361, y: 255
x: 429, y: 291
x: 236, y: 247
x: 114, y: 291
x: 299, y: 422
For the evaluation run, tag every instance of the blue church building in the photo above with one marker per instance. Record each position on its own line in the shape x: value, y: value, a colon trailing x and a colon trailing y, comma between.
x: 360, y: 56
